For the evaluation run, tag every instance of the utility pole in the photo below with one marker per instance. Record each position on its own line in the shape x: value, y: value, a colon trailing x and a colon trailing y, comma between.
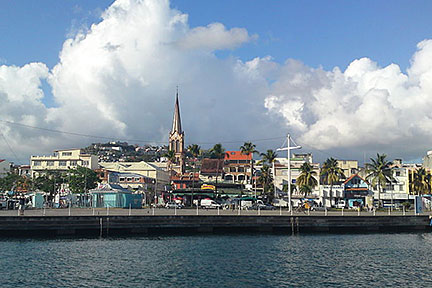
x: 289, y: 148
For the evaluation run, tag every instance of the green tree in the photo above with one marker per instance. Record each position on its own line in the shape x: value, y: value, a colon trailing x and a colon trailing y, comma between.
x: 331, y: 174
x: 306, y: 180
x: 82, y: 179
x: 249, y: 149
x: 11, y: 181
x: 266, y: 180
x: 195, y: 151
x: 270, y: 158
x: 421, y: 182
x: 379, y: 172
x: 49, y: 182
x: 218, y: 152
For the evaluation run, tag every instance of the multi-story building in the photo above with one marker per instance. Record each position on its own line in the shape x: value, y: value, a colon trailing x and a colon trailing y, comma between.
x: 398, y: 190
x: 62, y: 160
x: 349, y: 167
x: 160, y: 176
x: 237, y: 167
x: 211, y: 170
x: 132, y: 181
x: 427, y: 160
x: 296, y: 161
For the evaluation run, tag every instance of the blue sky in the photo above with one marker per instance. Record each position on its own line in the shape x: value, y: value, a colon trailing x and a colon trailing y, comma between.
x: 369, y: 105
x: 318, y: 33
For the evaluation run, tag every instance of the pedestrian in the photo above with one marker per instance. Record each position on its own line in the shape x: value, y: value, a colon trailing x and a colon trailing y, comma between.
x: 21, y: 206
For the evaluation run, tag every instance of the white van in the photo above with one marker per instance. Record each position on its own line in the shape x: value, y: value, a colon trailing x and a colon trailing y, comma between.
x: 208, y: 203
x: 341, y: 204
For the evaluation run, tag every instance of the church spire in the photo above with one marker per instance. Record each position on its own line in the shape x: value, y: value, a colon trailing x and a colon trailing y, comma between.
x: 176, y: 140
x: 176, y: 127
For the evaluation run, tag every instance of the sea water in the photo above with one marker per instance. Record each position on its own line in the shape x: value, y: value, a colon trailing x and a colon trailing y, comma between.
x: 325, y: 260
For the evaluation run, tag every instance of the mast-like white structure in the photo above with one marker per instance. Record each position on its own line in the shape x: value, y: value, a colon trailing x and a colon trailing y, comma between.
x: 289, y: 148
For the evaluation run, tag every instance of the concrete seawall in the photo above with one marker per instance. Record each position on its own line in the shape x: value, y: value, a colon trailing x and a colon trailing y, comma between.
x: 48, y: 226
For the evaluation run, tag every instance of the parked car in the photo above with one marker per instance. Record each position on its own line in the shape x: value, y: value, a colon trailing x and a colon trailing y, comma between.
x: 208, y: 203
x: 341, y: 204
x: 173, y: 205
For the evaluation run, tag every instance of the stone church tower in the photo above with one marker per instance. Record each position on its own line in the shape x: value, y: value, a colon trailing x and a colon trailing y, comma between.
x: 176, y: 140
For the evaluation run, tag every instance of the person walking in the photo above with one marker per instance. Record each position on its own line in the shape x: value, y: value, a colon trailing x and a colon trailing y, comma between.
x: 21, y: 206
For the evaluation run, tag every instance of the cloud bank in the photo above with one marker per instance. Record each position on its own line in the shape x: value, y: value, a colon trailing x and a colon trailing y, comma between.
x: 364, y: 107
x: 118, y: 79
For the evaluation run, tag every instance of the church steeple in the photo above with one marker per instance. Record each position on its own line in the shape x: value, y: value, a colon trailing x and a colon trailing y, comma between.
x: 176, y: 127
x: 176, y: 140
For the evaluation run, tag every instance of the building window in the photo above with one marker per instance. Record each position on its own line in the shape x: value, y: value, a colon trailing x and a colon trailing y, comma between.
x: 137, y: 179
x: 50, y: 163
x: 36, y: 163
x: 85, y: 163
x: 73, y: 163
x: 232, y: 169
x: 62, y: 163
x: 129, y: 179
x: 66, y: 153
x: 401, y: 187
x: 240, y: 169
x: 122, y: 179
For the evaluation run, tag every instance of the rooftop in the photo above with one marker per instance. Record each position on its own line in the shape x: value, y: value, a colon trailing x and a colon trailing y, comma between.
x: 237, y: 155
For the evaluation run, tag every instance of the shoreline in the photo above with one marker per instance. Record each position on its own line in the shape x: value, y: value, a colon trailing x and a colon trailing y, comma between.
x: 119, y: 225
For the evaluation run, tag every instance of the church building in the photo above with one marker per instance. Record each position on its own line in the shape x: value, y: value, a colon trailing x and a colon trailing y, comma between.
x: 176, y: 141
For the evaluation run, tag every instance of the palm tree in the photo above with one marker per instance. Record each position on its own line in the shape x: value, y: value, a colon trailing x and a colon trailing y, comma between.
x: 270, y: 158
x: 380, y: 172
x: 266, y: 180
x: 247, y: 149
x: 306, y: 180
x: 305, y: 189
x: 331, y: 173
x: 421, y: 182
x: 170, y: 155
x: 195, y: 151
x: 218, y: 152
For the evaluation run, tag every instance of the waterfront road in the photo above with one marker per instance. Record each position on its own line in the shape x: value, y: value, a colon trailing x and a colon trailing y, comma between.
x: 187, y: 211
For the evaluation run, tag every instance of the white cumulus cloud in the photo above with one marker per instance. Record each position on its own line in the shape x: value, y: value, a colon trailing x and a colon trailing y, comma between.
x: 363, y: 108
x: 215, y: 37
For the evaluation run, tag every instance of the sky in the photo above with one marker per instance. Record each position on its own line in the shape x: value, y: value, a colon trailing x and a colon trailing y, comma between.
x: 346, y: 79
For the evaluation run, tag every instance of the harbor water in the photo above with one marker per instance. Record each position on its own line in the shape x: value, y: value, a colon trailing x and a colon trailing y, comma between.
x: 360, y: 260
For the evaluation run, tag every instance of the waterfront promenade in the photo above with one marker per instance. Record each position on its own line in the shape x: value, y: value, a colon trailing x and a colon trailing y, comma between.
x: 192, y: 212
x: 110, y: 222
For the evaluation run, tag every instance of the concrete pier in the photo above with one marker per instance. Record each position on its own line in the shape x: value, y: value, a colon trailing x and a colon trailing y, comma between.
x: 49, y: 226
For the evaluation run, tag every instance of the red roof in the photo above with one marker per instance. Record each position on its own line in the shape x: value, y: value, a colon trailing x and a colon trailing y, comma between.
x: 237, y: 155
x: 1, y: 160
x: 355, y: 175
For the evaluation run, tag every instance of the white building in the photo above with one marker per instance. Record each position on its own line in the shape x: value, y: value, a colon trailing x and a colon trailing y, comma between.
x: 297, y: 160
x: 62, y: 160
x: 397, y: 191
x: 147, y: 169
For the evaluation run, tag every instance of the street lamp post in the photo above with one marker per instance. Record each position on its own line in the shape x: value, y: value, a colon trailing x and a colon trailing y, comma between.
x: 289, y: 148
x: 255, y: 180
